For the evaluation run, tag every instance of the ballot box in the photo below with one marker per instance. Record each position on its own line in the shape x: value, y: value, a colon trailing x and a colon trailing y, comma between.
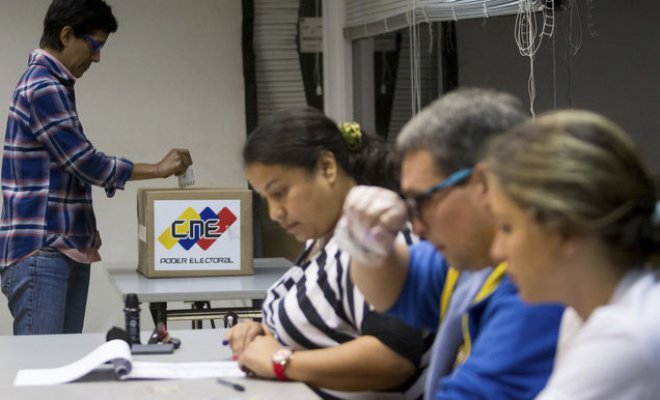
x: 194, y: 232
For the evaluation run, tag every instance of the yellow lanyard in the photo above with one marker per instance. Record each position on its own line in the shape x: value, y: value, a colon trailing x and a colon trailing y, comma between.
x: 489, y: 286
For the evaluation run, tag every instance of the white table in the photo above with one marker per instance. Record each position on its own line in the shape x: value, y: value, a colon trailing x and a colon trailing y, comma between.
x: 199, y: 290
x: 48, y: 351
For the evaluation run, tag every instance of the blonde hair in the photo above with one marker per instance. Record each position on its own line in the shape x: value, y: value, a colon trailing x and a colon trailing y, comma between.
x: 579, y: 172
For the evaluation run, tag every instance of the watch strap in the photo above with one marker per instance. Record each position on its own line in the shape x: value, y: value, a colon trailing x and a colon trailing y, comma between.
x: 279, y: 368
x: 281, y: 359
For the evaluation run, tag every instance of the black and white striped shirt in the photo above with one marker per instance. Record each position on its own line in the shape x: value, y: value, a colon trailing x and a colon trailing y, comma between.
x: 315, y: 305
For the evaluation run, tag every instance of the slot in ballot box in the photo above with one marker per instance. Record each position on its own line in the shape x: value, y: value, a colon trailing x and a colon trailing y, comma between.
x: 194, y: 232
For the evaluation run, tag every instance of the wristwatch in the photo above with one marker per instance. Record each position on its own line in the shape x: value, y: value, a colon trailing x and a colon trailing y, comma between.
x: 281, y: 359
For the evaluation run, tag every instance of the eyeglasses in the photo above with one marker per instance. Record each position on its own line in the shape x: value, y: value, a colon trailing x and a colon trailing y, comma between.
x: 415, y: 204
x: 95, y: 44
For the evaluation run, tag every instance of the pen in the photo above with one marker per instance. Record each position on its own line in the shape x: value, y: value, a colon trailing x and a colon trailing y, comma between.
x: 233, y: 385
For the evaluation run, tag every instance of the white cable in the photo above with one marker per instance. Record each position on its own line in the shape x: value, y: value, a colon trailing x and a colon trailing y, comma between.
x: 385, y: 73
x: 411, y: 28
x: 590, y: 18
x: 418, y: 71
x: 397, y: 12
x: 574, y: 19
x: 548, y: 18
x: 529, y: 39
x: 430, y: 25
x: 360, y: 12
x: 554, y: 72
x: 416, y: 55
x: 531, y: 86
x: 431, y: 38
x: 318, y: 85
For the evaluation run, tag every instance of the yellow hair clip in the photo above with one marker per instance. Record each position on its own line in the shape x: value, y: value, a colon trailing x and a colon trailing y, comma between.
x: 352, y: 135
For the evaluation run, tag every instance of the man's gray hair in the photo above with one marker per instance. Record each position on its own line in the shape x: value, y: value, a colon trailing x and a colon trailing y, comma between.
x: 456, y: 126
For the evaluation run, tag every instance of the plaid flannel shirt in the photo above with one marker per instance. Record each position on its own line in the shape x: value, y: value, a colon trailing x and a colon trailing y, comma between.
x: 48, y: 167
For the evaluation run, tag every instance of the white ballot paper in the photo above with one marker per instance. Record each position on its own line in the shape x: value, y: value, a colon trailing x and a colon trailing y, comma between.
x: 118, y: 353
x: 188, y: 178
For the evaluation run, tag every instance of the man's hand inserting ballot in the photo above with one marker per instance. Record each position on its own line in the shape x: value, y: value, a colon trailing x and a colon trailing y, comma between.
x: 175, y: 162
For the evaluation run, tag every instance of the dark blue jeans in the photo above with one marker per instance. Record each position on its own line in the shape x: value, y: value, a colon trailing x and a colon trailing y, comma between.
x: 46, y: 293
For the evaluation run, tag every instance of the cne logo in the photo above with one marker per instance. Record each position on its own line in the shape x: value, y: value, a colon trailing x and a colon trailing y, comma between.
x: 202, y: 229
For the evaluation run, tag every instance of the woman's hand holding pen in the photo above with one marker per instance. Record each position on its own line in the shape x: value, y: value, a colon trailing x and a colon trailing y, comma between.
x: 257, y: 355
x: 240, y: 336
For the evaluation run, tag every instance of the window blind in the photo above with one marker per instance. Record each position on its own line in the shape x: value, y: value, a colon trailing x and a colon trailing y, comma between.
x: 279, y: 80
x: 365, y: 18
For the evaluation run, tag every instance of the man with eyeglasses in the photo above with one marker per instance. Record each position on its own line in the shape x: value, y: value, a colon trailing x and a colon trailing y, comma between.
x: 48, y: 235
x: 489, y: 344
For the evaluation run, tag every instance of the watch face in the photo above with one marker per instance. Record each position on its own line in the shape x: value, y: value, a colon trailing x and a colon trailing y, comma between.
x: 281, y: 356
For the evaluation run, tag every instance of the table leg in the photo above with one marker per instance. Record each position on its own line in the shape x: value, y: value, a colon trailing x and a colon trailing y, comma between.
x: 257, y: 305
x: 200, y: 305
x: 158, y: 312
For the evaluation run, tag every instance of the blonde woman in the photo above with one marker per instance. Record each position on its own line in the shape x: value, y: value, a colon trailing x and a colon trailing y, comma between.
x: 574, y: 208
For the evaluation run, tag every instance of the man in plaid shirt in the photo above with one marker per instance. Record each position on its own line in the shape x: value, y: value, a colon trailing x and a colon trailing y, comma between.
x: 48, y: 235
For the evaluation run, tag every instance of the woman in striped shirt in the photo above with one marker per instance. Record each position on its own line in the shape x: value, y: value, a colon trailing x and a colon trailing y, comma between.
x: 317, y: 326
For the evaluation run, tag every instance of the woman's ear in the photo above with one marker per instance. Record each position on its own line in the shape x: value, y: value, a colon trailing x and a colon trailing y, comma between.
x: 563, y: 240
x: 569, y: 241
x: 327, y: 166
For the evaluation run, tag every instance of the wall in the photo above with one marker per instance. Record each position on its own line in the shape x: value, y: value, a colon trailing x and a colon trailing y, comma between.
x: 170, y: 77
x: 614, y: 72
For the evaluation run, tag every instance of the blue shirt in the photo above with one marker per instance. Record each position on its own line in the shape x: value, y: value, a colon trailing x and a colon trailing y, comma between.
x: 49, y: 165
x: 507, y: 348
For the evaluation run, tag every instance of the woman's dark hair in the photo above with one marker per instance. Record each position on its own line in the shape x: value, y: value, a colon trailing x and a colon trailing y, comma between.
x: 297, y: 137
x: 84, y: 16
